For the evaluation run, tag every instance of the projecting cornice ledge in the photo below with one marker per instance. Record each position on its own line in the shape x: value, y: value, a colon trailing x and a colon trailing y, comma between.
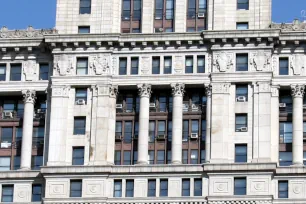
x: 216, y: 168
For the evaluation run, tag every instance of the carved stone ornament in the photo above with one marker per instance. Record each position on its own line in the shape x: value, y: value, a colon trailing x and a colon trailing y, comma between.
x: 144, y: 90
x: 30, y: 32
x: 29, y: 96
x: 223, y: 62
x: 295, y: 26
x: 264, y: 87
x: 100, y: 64
x: 209, y: 62
x: 145, y: 65
x: 260, y: 61
x: 61, y: 91
x: 297, y: 90
x: 275, y: 91
x: 114, y: 65
x: 63, y: 65
x: 113, y: 91
x: 221, y: 88
x: 208, y: 90
x: 178, y: 89
x: 274, y: 63
x: 297, y: 64
x: 29, y: 70
x: 179, y: 64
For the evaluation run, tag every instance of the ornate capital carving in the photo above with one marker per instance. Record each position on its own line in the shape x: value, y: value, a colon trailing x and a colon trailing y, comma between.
x: 144, y: 90
x: 113, y: 91
x: 29, y: 96
x: 100, y: 64
x: 275, y: 91
x: 221, y: 88
x: 208, y: 90
x: 178, y: 89
x: 29, y: 70
x: 105, y: 90
x: 297, y: 90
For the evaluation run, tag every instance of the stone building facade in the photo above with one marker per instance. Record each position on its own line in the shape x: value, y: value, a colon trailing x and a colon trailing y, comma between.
x: 154, y: 101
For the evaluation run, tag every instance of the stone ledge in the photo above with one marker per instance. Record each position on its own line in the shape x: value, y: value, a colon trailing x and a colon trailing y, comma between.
x: 19, y: 174
x: 239, y: 199
x: 240, y: 167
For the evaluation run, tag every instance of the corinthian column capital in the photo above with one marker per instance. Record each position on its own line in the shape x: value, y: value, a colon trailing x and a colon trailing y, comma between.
x: 113, y: 91
x: 29, y: 96
x: 178, y: 89
x: 297, y: 90
x: 208, y: 90
x: 144, y: 90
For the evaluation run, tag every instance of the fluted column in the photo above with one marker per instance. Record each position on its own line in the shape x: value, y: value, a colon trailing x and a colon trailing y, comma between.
x: 297, y: 92
x: 143, y: 146
x: 177, y: 123
x: 27, y: 129
x: 208, y: 121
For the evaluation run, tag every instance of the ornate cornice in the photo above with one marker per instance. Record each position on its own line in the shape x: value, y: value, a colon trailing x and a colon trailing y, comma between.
x: 29, y: 96
x: 178, y: 89
x: 297, y: 90
x: 144, y: 90
x: 296, y: 25
x: 30, y: 32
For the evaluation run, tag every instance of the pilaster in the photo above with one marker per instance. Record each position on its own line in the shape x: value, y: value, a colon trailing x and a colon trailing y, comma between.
x: 208, y: 91
x: 275, y: 123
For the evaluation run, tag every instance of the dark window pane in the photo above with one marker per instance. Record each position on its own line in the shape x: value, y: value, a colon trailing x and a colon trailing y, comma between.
x: 242, y: 62
x: 160, y: 157
x: 242, y: 26
x: 151, y: 188
x: 239, y: 186
x: 241, y: 123
x: 37, y: 162
x: 282, y: 189
x: 197, y: 187
x: 283, y: 66
x: 167, y: 65
x: 83, y: 29
x: 159, y: 7
x: 163, y: 188
x: 128, y: 131
x: 186, y: 187
x: 82, y: 66
x: 134, y: 66
x: 126, y: 10
x: 156, y: 65
x: 201, y: 64
x: 85, y: 6
x: 78, y: 156
x: 129, y: 192
x: 7, y: 193
x: 79, y: 126
x: 80, y: 94
x: 6, y: 136
x: 117, y: 188
x: 185, y: 156
x: 2, y: 72
x: 122, y: 66
x: 240, y: 153
x: 285, y: 158
x: 127, y: 158
x: 15, y: 72
x: 76, y: 188
x: 117, y: 157
x: 189, y: 65
x: 243, y: 4
x: 43, y: 71
x: 36, y: 192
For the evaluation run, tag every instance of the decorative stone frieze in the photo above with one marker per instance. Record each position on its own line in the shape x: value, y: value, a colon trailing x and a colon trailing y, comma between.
x: 29, y: 70
x: 297, y: 64
x: 114, y: 65
x: 274, y: 63
x: 209, y: 63
x: 178, y: 89
x: 100, y: 64
x: 220, y: 88
x: 30, y: 32
x: 297, y: 90
x: 223, y: 62
x: 63, y: 65
x: 144, y: 90
x: 60, y: 91
x: 179, y: 64
x: 29, y: 96
x: 260, y: 61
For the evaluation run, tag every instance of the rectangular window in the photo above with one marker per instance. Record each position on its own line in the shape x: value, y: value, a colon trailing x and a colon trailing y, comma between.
x: 160, y: 157
x: 126, y: 10
x: 195, y: 126
x: 136, y: 130
x: 129, y: 191
x: 240, y: 186
x: 135, y: 157
x: 137, y: 12
x: 169, y: 130
x: 202, y: 7
x: 36, y: 192
x: 151, y: 156
x: 241, y: 153
x: 282, y: 189
x: 85, y: 6
x: 156, y: 65
x: 162, y: 103
x: 242, y: 26
x: 161, y: 128
x: 117, y: 189
x: 79, y: 125
x: 169, y: 157
x: 203, y: 130
x: 83, y: 29
x: 163, y: 188
x: 6, y: 137
x: 185, y: 156
x: 126, y: 157
x: 185, y: 187
x: 169, y: 9
x: 129, y: 103
x: 191, y: 14
x: 285, y: 158
x: 203, y: 156
x: 37, y: 162
x: 241, y: 93
x: 43, y: 71
x: 284, y: 66
x: 194, y: 157
x: 134, y: 65
x: 241, y: 123
x: 159, y: 7
x: 15, y: 72
x: 82, y: 66
x: 78, y: 156
x: 201, y: 64
x: 242, y: 62
x: 243, y: 4
x: 2, y: 72
x: 122, y: 66
x: 189, y: 65
x: 167, y: 65
x: 118, y: 129
x: 81, y: 96
x: 285, y: 132
x: 128, y: 131
x: 7, y: 193
x: 76, y: 188
x: 151, y: 188
x: 185, y: 130
x: 197, y: 187
x: 151, y: 131
x: 5, y: 163
x: 16, y: 162
x: 117, y: 157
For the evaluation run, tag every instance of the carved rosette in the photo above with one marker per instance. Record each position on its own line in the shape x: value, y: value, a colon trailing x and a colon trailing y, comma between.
x: 29, y: 70
x: 144, y: 90
x: 223, y: 62
x: 260, y: 61
x: 297, y: 90
x: 178, y: 89
x: 100, y: 64
x: 29, y: 96
x: 63, y: 65
x: 208, y: 90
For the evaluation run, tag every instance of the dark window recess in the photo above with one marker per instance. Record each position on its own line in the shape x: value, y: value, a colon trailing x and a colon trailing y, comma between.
x: 167, y: 65
x: 163, y: 188
x: 201, y: 64
x: 282, y: 189
x: 240, y: 186
x: 241, y: 93
x: 156, y: 65
x: 122, y: 66
x: 79, y: 125
x: 164, y: 15
x: 243, y: 4
x: 2, y: 72
x: 126, y: 157
x: 242, y: 26
x: 185, y: 187
x: 80, y: 96
x: 5, y: 163
x: 197, y: 187
x: 6, y: 137
x: 85, y: 6
x: 36, y: 192
x: 241, y: 123
x: 134, y: 65
x: 117, y: 157
x: 76, y: 188
x: 285, y: 158
x: 189, y: 65
x: 117, y: 189
x: 37, y: 162
x: 241, y: 153
x: 185, y: 156
x: 131, y: 16
x: 242, y: 62
x: 78, y: 156
x: 82, y: 66
x: 283, y: 66
x: 129, y: 192
x: 83, y: 29
x: 43, y: 71
x: 196, y: 15
x: 160, y: 157
x: 7, y: 193
x: 15, y: 72
x: 151, y: 188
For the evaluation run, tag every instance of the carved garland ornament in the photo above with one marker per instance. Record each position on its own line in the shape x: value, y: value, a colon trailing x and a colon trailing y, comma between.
x: 100, y: 64
x: 297, y: 90
x: 29, y: 96
x: 63, y: 65
x: 223, y: 62
x: 178, y: 89
x: 260, y: 61
x: 144, y: 90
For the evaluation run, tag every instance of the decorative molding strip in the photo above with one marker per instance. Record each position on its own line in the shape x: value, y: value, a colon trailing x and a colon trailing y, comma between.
x: 30, y: 32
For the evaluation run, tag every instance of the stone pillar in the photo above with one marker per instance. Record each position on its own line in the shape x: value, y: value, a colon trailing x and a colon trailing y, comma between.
x: 297, y: 92
x: 58, y: 126
x: 147, y: 20
x: 180, y: 16
x: 144, y: 112
x: 208, y: 122
x: 177, y: 123
x: 275, y: 124
x: 27, y: 129
x: 103, y: 125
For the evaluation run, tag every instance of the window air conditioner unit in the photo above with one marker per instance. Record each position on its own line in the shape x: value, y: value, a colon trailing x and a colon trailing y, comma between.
x: 118, y: 137
x: 5, y: 144
x: 201, y: 15
x: 119, y: 106
x: 241, y: 99
x: 159, y: 30
x: 194, y: 136
x: 161, y: 137
x: 8, y: 114
x: 243, y: 129
x: 282, y: 105
x: 80, y: 102
x: 152, y: 105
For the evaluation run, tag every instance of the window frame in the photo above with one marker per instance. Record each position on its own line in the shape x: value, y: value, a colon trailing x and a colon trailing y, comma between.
x: 238, y: 188
x: 242, y: 26
x: 189, y: 69
x: 186, y: 191
x: 78, y: 160
x: 134, y: 69
x: 286, y: 191
x: 281, y: 68
x: 17, y: 74
x: 197, y: 191
x: 239, y: 67
x: 75, y: 193
x: 79, y: 130
x: 4, y: 68
x: 122, y: 69
x: 81, y: 68
x: 117, y: 190
x: 238, y: 154
x: 129, y: 190
x: 43, y: 74
x: 155, y: 67
x: 82, y: 9
x: 239, y: 3
x: 35, y: 193
x: 151, y: 190
x: 9, y: 187
x: 83, y: 29
x: 163, y: 190
x: 238, y: 126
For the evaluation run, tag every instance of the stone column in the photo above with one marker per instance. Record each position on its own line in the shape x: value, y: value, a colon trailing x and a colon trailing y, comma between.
x: 177, y: 123
x: 208, y: 121
x: 144, y: 112
x: 275, y: 123
x: 297, y: 92
x: 27, y: 129
x: 147, y: 20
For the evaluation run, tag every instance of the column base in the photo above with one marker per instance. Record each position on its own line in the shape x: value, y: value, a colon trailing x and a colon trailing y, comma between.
x: 142, y: 163
x: 176, y: 162
x: 24, y: 169
x: 297, y: 165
